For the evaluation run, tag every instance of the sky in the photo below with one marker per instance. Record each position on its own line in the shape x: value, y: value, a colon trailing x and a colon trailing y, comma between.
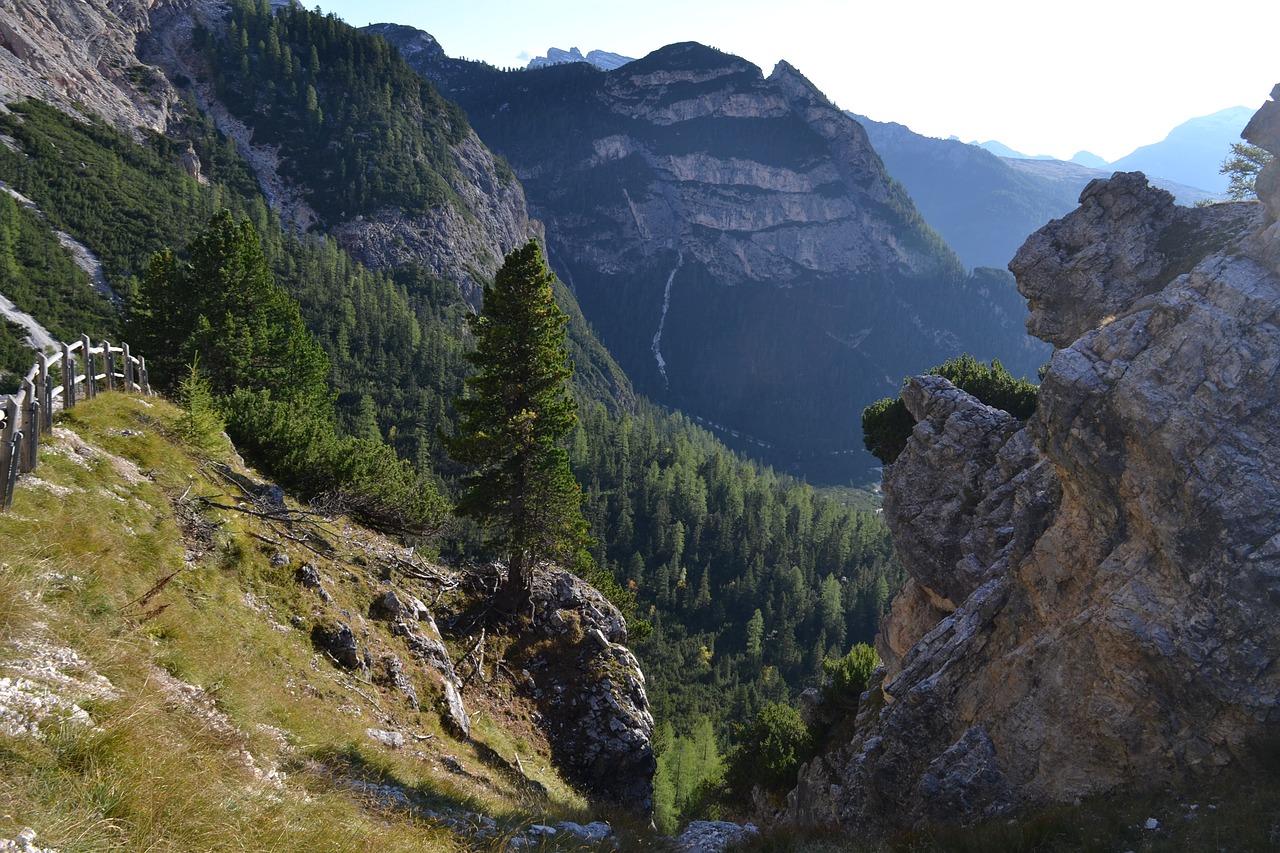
x: 1105, y: 76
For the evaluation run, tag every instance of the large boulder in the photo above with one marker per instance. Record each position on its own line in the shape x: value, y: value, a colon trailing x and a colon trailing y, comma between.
x: 590, y: 693
x: 1093, y: 596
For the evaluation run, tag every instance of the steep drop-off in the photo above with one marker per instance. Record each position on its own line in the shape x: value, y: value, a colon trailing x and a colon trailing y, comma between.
x: 736, y: 242
x: 1093, y: 596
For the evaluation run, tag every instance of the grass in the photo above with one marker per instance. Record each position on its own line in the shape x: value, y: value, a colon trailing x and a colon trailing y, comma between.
x: 204, y: 638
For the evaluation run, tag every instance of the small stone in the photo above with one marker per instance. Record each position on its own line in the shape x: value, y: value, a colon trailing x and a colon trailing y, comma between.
x: 1151, y: 824
x: 393, y: 740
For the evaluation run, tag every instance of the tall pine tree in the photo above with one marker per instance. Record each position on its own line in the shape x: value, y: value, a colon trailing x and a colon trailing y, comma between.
x: 512, y: 424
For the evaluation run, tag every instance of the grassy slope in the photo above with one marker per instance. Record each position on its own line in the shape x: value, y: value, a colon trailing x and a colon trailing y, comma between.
x: 112, y: 512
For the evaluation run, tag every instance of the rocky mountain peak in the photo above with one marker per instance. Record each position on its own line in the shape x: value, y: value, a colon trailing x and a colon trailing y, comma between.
x: 414, y: 44
x: 1091, y: 603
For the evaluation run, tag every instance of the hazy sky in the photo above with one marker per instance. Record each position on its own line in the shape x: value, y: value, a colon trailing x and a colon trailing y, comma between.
x: 1043, y: 78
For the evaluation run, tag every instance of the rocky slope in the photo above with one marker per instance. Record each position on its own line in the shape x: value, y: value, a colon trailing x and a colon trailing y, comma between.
x: 81, y: 54
x: 736, y: 242
x: 1092, y: 603
x: 86, y: 56
x: 277, y: 670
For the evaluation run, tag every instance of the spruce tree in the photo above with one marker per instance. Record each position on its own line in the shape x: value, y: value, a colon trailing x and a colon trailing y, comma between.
x: 512, y: 423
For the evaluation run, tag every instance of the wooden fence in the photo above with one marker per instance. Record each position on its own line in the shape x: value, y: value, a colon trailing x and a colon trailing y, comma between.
x: 28, y: 415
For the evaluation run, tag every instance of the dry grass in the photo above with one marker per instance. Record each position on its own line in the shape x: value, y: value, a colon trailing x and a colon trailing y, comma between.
x: 206, y: 642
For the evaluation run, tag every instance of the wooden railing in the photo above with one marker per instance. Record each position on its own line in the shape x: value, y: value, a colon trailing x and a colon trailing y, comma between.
x: 28, y: 415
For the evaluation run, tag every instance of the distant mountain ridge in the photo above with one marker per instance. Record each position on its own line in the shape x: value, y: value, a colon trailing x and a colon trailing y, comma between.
x: 601, y: 59
x: 985, y: 205
x: 1193, y: 151
x: 1189, y: 157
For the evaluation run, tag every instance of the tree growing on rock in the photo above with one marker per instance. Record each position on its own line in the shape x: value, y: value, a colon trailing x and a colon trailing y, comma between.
x: 1242, y: 166
x: 512, y: 423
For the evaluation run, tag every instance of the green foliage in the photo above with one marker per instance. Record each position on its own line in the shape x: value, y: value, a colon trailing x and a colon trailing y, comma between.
x: 40, y: 278
x: 1242, y: 166
x: 748, y: 578
x: 770, y: 751
x: 224, y: 306
x: 224, y: 311
x: 201, y: 426
x: 519, y: 409
x: 689, y: 767
x: 352, y: 120
x: 845, y: 679
x: 886, y: 424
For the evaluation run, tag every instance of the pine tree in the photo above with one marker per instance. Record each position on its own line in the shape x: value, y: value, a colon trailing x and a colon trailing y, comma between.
x: 512, y: 423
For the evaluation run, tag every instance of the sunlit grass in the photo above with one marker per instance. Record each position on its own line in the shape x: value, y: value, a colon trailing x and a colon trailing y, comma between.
x: 218, y: 692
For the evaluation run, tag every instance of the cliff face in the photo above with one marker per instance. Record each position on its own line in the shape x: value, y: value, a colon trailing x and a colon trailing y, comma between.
x: 1093, y: 595
x: 736, y: 242
x: 82, y: 52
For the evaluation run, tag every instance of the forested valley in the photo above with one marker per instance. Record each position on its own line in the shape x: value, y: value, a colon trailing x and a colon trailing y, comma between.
x: 739, y: 583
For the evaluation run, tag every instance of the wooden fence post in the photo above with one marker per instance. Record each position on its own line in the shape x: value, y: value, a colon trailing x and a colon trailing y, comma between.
x: 30, y: 426
x: 10, y: 449
x: 90, y: 384
x: 144, y: 380
x: 68, y: 378
x: 109, y: 361
x: 46, y: 396
x: 128, y: 367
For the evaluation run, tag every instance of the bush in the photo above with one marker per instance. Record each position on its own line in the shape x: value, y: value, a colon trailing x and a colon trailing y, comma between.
x: 360, y: 476
x: 845, y: 679
x: 886, y: 423
x: 770, y: 751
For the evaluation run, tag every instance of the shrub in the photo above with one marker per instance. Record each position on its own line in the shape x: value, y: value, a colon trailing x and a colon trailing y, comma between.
x: 886, y: 423
x: 845, y: 679
x: 770, y: 750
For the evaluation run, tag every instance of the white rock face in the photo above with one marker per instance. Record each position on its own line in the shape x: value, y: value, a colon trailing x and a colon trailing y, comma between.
x: 82, y: 52
x: 1093, y: 595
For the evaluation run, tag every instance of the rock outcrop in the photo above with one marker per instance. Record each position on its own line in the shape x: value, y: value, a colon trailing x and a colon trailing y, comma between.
x: 590, y: 693
x: 1093, y: 595
x: 80, y: 55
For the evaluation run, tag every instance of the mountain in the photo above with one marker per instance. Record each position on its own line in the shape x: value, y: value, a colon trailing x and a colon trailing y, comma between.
x: 1001, y: 150
x: 304, y: 129
x: 1092, y: 596
x: 982, y: 204
x: 1192, y: 153
x: 1089, y: 159
x: 737, y: 244
x: 601, y: 59
x: 985, y: 205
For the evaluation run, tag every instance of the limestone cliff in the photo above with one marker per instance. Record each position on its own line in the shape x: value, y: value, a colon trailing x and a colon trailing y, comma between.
x: 80, y: 54
x: 1093, y: 595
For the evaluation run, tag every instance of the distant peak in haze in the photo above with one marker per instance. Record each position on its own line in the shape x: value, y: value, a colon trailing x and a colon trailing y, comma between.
x: 601, y: 59
x: 1089, y: 159
x: 1001, y: 150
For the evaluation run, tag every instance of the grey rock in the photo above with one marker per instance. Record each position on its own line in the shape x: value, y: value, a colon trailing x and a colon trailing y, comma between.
x: 309, y: 576
x: 713, y: 836
x: 1091, y: 603
x: 427, y: 648
x: 394, y: 677
x: 340, y: 643
x: 597, y: 717
x: 595, y: 831
x: 392, y: 740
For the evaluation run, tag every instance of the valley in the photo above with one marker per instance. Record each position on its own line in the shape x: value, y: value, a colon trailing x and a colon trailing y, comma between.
x: 297, y: 221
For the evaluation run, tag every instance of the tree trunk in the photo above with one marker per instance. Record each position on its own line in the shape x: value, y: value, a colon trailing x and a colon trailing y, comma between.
x: 517, y: 590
